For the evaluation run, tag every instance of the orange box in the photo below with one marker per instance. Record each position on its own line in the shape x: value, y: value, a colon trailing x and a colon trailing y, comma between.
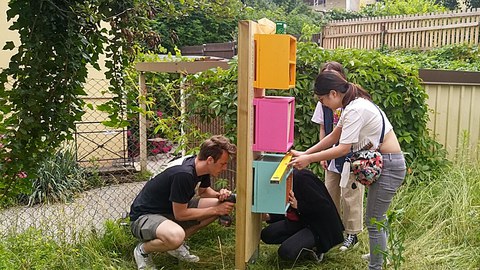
x: 275, y: 61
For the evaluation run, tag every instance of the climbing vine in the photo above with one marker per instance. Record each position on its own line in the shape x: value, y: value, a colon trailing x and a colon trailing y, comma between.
x: 41, y: 90
x: 57, y: 41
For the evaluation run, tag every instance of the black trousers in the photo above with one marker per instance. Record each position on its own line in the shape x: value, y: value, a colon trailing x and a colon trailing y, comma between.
x: 291, y: 235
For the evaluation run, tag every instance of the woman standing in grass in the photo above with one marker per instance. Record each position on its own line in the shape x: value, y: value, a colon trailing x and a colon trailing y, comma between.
x: 349, y: 199
x: 359, y: 126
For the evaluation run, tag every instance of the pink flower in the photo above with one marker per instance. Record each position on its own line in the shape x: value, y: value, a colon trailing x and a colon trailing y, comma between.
x: 129, y: 133
x: 22, y: 175
x: 155, y: 151
x: 159, y: 114
x: 166, y: 149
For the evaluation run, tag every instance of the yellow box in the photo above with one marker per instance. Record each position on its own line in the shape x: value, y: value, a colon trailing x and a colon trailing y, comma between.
x: 275, y: 61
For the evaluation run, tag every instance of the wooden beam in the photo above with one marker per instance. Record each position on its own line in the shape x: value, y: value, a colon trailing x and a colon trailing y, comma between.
x: 248, y: 224
x: 434, y: 76
x: 180, y: 67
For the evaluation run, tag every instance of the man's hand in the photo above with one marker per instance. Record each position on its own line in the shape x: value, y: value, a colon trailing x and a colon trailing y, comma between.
x: 224, y: 208
x: 223, y: 194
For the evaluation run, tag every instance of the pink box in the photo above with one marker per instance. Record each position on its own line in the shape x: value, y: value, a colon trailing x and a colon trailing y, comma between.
x: 274, y: 123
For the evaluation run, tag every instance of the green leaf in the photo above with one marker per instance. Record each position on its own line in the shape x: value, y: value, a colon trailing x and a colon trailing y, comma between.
x: 9, y: 45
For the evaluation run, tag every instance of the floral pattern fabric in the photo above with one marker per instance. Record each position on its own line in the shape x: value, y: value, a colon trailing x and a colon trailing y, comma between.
x: 366, y: 165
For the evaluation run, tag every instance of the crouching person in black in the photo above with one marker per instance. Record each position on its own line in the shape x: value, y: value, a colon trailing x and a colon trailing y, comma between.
x: 166, y: 211
x: 311, y: 224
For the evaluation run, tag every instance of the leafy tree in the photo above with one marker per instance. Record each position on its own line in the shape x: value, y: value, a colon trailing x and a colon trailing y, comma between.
x: 393, y: 7
x: 473, y: 3
x: 198, y: 27
x: 59, y: 38
x: 295, y: 13
x: 450, y: 4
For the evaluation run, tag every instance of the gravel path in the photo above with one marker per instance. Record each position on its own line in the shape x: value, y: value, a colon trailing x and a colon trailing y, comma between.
x: 88, y: 211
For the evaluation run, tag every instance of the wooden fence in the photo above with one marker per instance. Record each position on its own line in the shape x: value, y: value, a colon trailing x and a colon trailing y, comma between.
x: 406, y: 31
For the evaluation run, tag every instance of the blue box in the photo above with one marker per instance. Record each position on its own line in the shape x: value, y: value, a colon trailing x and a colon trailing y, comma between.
x: 270, y: 197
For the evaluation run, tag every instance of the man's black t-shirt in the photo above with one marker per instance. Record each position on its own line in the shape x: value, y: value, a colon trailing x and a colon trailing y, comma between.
x: 175, y: 184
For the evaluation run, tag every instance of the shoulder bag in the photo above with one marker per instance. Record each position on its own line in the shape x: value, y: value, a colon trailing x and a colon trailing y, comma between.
x: 367, y: 164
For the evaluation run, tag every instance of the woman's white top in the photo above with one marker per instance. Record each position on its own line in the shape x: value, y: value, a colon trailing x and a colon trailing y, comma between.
x: 318, y: 114
x: 361, y: 123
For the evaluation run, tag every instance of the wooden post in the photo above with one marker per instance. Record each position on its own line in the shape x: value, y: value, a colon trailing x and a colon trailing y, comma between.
x: 248, y: 224
x: 142, y: 122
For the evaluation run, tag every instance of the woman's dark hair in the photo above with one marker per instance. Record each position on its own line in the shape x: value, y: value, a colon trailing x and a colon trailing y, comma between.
x: 332, y: 80
x: 332, y: 65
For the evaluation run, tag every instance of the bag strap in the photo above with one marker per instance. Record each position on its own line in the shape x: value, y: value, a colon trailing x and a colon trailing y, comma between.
x: 383, y: 127
x: 381, y: 135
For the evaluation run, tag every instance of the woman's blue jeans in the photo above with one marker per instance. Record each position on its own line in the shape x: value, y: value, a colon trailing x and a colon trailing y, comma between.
x: 379, y: 197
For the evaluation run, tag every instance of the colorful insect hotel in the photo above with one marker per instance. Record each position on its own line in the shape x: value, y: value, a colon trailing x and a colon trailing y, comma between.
x: 275, y: 64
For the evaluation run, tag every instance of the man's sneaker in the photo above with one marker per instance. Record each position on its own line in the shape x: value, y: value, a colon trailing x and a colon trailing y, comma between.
x: 350, y: 242
x: 143, y: 261
x: 183, y: 254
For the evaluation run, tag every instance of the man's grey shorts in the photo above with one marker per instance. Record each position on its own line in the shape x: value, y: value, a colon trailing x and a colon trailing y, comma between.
x: 145, y: 227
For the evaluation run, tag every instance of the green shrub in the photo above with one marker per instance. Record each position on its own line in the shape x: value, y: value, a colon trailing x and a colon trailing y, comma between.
x: 394, y: 86
x: 393, y: 7
x: 464, y: 57
x: 59, y: 178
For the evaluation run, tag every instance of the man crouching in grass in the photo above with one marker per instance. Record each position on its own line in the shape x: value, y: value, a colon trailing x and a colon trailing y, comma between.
x: 166, y: 211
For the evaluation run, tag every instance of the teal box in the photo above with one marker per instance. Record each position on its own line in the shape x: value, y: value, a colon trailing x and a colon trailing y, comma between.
x: 270, y: 197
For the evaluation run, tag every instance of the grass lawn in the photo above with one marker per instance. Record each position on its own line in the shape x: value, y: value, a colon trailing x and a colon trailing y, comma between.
x: 438, y: 227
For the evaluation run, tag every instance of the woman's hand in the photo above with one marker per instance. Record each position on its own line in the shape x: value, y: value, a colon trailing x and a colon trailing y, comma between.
x: 292, y: 200
x: 296, y: 153
x: 300, y: 162
x: 324, y: 164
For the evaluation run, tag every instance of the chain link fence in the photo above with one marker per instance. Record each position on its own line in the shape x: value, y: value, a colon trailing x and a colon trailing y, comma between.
x: 110, y: 156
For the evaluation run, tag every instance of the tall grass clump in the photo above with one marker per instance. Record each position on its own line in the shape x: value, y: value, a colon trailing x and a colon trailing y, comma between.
x: 441, y: 219
x: 34, y: 249
x: 58, y: 179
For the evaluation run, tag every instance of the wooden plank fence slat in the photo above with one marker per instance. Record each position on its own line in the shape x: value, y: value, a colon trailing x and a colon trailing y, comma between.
x: 422, y: 31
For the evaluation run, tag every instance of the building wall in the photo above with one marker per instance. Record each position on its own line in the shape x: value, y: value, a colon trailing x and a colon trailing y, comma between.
x: 7, y: 35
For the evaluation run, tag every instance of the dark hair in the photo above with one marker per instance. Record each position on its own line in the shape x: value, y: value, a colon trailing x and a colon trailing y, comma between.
x: 332, y: 80
x: 332, y: 65
x: 214, y: 147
